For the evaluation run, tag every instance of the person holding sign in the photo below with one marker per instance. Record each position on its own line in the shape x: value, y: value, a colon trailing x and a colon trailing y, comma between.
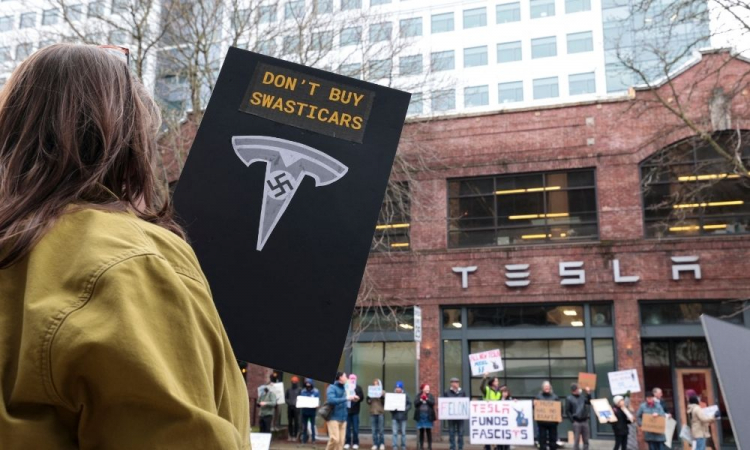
x: 308, y: 414
x: 375, y: 398
x: 337, y: 397
x: 455, y: 427
x: 621, y: 427
x: 399, y: 418
x: 267, y: 403
x: 492, y: 391
x: 547, y: 430
x: 424, y: 414
x: 652, y: 408
x: 577, y: 411
x: 699, y: 422
x: 352, y: 417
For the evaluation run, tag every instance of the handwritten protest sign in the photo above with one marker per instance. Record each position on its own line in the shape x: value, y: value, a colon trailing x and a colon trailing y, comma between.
x: 654, y: 424
x: 587, y: 380
x: 278, y: 389
x: 623, y: 382
x: 260, y: 441
x: 603, y: 410
x: 547, y: 411
x: 453, y: 408
x: 395, y: 402
x: 375, y: 391
x: 502, y: 423
x: 486, y: 362
x: 671, y: 425
x: 307, y: 402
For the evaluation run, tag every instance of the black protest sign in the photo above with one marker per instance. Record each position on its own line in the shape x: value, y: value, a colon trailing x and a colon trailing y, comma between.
x: 280, y: 196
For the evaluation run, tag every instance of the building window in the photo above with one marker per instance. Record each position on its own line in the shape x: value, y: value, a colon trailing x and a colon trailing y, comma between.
x: 96, y: 9
x: 690, y: 190
x: 23, y: 51
x: 574, y: 6
x: 410, y: 27
x: 351, y: 4
x: 323, y: 6
x: 351, y: 36
x: 267, y: 14
x: 442, y: 23
x: 352, y: 70
x: 444, y: 100
x: 410, y: 65
x: 415, y: 105
x: 74, y: 12
x: 526, y: 316
x: 394, y: 221
x: 443, y: 61
x: 509, y: 52
x: 267, y: 47
x: 119, y: 37
x: 28, y: 20
x: 476, y: 17
x: 689, y: 313
x: 5, y: 55
x: 50, y: 16
x: 475, y: 56
x: 522, y: 209
x: 294, y: 9
x: 546, y: 88
x: 542, y: 8
x: 379, y: 2
x: 476, y: 96
x: 581, y: 83
x: 6, y: 23
x: 322, y: 41
x: 580, y: 42
x: 508, y: 12
x: 380, y: 68
x: 290, y: 44
x: 544, y: 47
x: 381, y: 32
x: 510, y: 92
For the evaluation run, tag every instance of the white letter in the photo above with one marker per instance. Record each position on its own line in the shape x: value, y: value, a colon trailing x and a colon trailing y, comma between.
x: 516, y: 275
x: 681, y: 267
x: 622, y: 279
x: 580, y: 275
x: 465, y: 271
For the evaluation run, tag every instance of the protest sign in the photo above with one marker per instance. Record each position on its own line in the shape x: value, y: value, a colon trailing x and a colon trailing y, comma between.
x: 278, y: 390
x: 623, y: 382
x: 307, y: 402
x: 710, y: 411
x: 485, y: 362
x: 260, y: 441
x: 453, y: 408
x: 395, y: 402
x: 653, y: 424
x: 671, y: 425
x: 280, y: 197
x: 375, y: 391
x: 587, y: 380
x: 603, y: 410
x: 547, y: 411
x: 502, y: 423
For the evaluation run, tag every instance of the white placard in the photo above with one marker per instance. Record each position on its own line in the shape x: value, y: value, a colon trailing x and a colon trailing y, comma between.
x: 623, y: 381
x: 486, y: 362
x: 307, y: 402
x: 375, y: 391
x: 260, y: 441
x: 278, y: 389
x: 710, y: 411
x: 671, y: 425
x: 502, y: 423
x: 453, y: 408
x: 395, y: 402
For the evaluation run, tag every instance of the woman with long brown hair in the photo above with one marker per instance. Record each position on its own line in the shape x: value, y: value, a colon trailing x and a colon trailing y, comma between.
x: 108, y: 334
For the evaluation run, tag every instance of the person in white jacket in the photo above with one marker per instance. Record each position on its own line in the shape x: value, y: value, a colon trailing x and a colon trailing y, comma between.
x: 699, y: 423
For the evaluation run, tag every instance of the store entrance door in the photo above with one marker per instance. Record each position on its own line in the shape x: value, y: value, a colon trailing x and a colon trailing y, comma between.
x: 700, y: 381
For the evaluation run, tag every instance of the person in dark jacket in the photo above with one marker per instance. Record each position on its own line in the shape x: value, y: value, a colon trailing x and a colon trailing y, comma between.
x: 455, y: 427
x: 267, y: 403
x: 577, y: 407
x: 337, y: 397
x: 292, y: 413
x: 651, y: 406
x: 308, y: 414
x: 424, y: 414
x: 399, y: 418
x: 547, y: 430
x: 621, y: 425
x: 352, y: 417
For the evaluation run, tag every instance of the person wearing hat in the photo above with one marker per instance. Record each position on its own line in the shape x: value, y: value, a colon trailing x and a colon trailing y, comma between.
x: 577, y: 411
x: 424, y: 414
x: 398, y: 418
x: 651, y: 407
x: 699, y: 422
x: 308, y: 414
x: 267, y: 403
x: 376, y: 416
x: 547, y: 430
x: 493, y: 391
x: 455, y: 427
x: 292, y: 413
x: 621, y: 423
x: 352, y: 417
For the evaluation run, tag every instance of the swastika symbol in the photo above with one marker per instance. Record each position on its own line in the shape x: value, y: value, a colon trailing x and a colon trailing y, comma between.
x: 282, y: 187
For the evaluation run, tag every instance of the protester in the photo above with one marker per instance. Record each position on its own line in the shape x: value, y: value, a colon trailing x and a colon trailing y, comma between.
x: 577, y: 411
x: 337, y: 398
x: 96, y: 279
x: 658, y: 395
x: 455, y: 427
x: 398, y: 418
x: 621, y: 427
x: 308, y: 414
x: 292, y: 413
x: 651, y: 406
x: 492, y: 391
x: 424, y: 415
x: 376, y: 417
x: 547, y: 430
x: 352, y: 417
x: 267, y: 403
x: 699, y: 423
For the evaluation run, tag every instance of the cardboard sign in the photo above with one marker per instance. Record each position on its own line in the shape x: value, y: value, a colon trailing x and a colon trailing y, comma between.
x: 453, y: 408
x: 260, y: 441
x: 395, y: 402
x: 671, y: 426
x: 603, y: 410
x: 502, y: 423
x: 587, y: 380
x: 280, y: 196
x: 623, y: 382
x: 307, y: 402
x: 485, y: 362
x: 547, y: 411
x: 375, y: 391
x: 653, y: 424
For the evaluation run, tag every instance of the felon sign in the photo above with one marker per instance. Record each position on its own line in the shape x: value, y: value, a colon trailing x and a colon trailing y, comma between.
x: 547, y: 411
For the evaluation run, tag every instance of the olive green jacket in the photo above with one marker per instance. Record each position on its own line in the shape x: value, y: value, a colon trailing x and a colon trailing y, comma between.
x: 109, y: 339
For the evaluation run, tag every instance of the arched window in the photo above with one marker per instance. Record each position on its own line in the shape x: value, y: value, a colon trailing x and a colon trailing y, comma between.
x: 691, y: 190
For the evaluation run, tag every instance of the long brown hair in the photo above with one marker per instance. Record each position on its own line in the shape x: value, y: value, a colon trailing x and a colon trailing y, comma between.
x: 76, y: 128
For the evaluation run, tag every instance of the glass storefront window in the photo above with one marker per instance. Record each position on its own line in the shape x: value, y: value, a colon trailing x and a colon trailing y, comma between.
x: 383, y: 319
x: 601, y: 315
x: 452, y: 318
x: 526, y: 315
x: 692, y: 353
x: 452, y: 362
x: 604, y: 362
x: 688, y: 313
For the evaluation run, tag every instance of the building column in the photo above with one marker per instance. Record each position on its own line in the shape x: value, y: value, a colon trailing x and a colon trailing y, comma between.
x: 429, y: 362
